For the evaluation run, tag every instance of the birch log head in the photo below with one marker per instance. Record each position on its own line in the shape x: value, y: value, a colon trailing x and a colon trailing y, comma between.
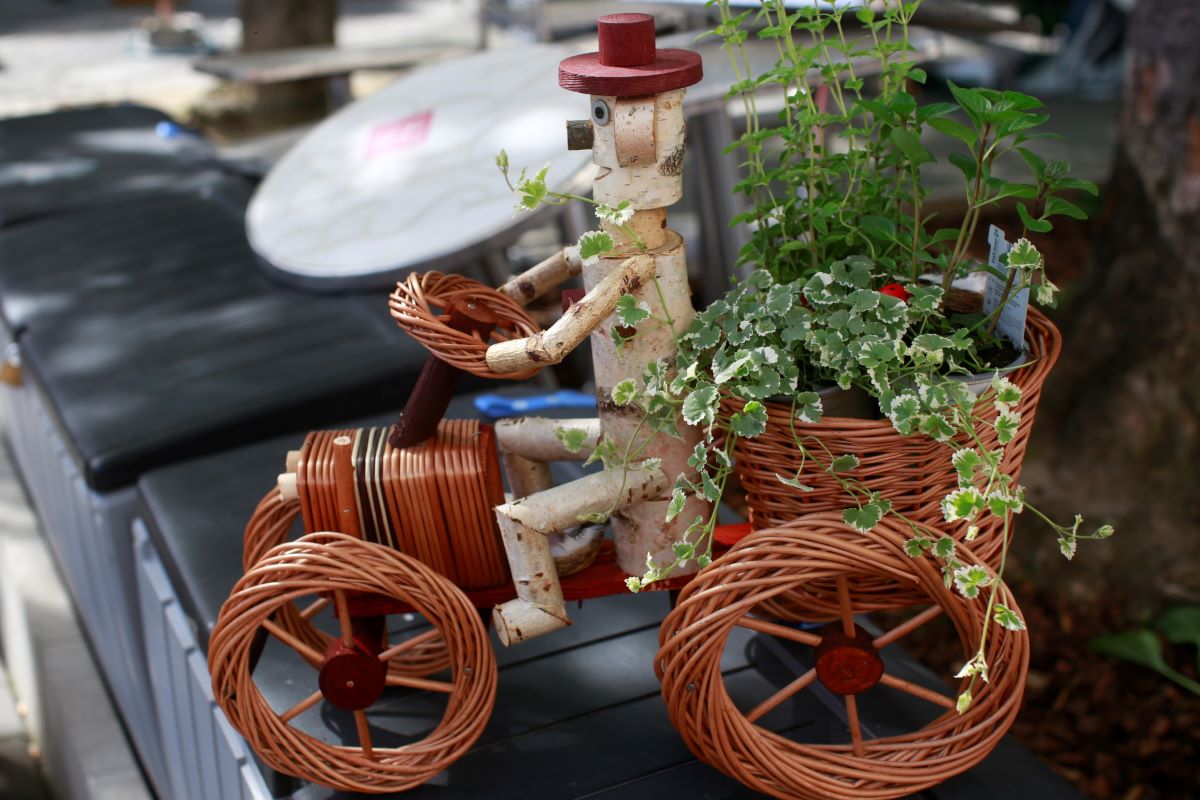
x: 638, y: 144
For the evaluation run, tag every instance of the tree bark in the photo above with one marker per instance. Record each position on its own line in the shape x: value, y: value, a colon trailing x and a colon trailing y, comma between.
x: 278, y: 24
x: 1121, y: 418
x: 281, y: 24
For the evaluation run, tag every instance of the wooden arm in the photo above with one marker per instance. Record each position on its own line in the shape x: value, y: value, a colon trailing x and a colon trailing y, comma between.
x: 525, y: 527
x: 541, y: 278
x: 553, y: 345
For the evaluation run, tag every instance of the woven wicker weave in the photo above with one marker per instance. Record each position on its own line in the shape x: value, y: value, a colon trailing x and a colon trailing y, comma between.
x: 914, y: 472
x: 419, y: 305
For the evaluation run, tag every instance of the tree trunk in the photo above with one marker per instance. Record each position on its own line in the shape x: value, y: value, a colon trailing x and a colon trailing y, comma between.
x: 1120, y: 431
x: 281, y: 24
x: 277, y: 24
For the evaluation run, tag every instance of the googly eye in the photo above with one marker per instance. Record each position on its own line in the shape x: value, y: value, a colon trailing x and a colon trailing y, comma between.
x: 600, y: 113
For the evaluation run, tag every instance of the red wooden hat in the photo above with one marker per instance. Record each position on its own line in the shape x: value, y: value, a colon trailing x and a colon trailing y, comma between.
x: 628, y: 64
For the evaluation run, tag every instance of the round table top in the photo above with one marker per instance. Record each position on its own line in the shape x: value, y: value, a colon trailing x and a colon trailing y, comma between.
x: 407, y: 177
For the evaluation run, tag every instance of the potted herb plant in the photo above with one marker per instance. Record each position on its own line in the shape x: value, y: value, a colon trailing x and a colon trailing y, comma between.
x: 852, y: 287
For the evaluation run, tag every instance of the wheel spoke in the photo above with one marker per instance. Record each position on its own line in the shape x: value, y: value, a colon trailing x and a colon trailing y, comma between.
x: 856, y: 737
x: 392, y: 652
x: 301, y: 707
x: 780, y: 631
x: 843, y: 590
x: 783, y: 694
x: 314, y: 608
x: 917, y: 691
x: 907, y: 627
x: 364, y: 733
x: 343, y: 615
x: 420, y: 683
x: 309, y: 654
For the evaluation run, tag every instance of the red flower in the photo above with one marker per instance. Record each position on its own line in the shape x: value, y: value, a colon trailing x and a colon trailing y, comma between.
x: 896, y: 290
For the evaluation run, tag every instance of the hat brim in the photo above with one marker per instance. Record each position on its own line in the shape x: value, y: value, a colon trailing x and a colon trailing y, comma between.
x: 671, y: 69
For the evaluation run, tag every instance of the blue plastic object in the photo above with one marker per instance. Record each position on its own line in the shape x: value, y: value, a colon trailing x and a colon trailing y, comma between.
x: 495, y: 406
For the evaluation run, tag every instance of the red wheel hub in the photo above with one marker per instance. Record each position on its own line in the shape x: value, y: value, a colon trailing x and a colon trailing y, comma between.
x: 847, y: 664
x: 352, y: 676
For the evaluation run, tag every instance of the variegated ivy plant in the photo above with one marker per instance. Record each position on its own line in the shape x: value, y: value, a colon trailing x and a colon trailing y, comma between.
x: 768, y: 340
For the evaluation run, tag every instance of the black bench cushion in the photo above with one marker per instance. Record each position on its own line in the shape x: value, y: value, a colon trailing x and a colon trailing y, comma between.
x: 151, y: 329
x: 54, y: 162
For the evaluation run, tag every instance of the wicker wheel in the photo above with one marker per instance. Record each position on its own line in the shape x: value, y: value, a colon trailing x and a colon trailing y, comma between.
x: 269, y: 527
x: 769, y: 562
x: 338, y: 564
x: 420, y: 306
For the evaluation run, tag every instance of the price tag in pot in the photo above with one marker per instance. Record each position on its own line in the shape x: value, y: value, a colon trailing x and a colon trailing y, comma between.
x: 1011, y: 324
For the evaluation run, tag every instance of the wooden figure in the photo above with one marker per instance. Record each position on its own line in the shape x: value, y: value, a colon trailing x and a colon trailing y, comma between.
x: 637, y: 137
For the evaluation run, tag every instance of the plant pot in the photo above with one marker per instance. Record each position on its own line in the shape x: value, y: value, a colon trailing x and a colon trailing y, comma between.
x: 913, y: 472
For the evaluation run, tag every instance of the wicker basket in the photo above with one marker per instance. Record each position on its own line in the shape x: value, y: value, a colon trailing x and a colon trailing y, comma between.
x: 914, y: 472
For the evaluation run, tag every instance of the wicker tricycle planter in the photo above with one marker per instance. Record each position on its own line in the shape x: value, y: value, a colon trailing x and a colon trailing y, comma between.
x: 415, y: 520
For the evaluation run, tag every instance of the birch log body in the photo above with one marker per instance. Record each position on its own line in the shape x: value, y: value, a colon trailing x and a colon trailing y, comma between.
x: 642, y: 528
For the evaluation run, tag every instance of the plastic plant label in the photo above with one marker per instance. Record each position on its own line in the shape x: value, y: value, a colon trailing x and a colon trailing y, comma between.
x: 1011, y: 324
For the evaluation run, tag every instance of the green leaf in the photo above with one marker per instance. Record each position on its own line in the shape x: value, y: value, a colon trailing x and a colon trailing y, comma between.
x: 933, y: 341
x: 594, y: 243
x: 1007, y: 618
x: 630, y: 312
x: 1035, y: 225
x: 1181, y: 625
x: 700, y: 406
x: 970, y: 579
x: 966, y: 461
x: 910, y: 145
x: 916, y: 546
x: 572, y: 439
x: 944, y: 548
x: 1024, y: 256
x: 964, y: 702
x: 880, y: 228
x: 844, y: 463
x: 1067, y: 546
x: 966, y: 166
x: 678, y: 500
x: 683, y: 550
x: 934, y: 110
x: 1078, y: 184
x: 1037, y: 164
x: 794, y: 482
x: 750, y: 421
x: 1141, y: 647
x: 955, y: 129
x: 962, y: 503
x: 971, y: 100
x: 863, y: 519
x: 808, y: 407
x: 1006, y: 426
x: 624, y: 392
x: 1056, y: 206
